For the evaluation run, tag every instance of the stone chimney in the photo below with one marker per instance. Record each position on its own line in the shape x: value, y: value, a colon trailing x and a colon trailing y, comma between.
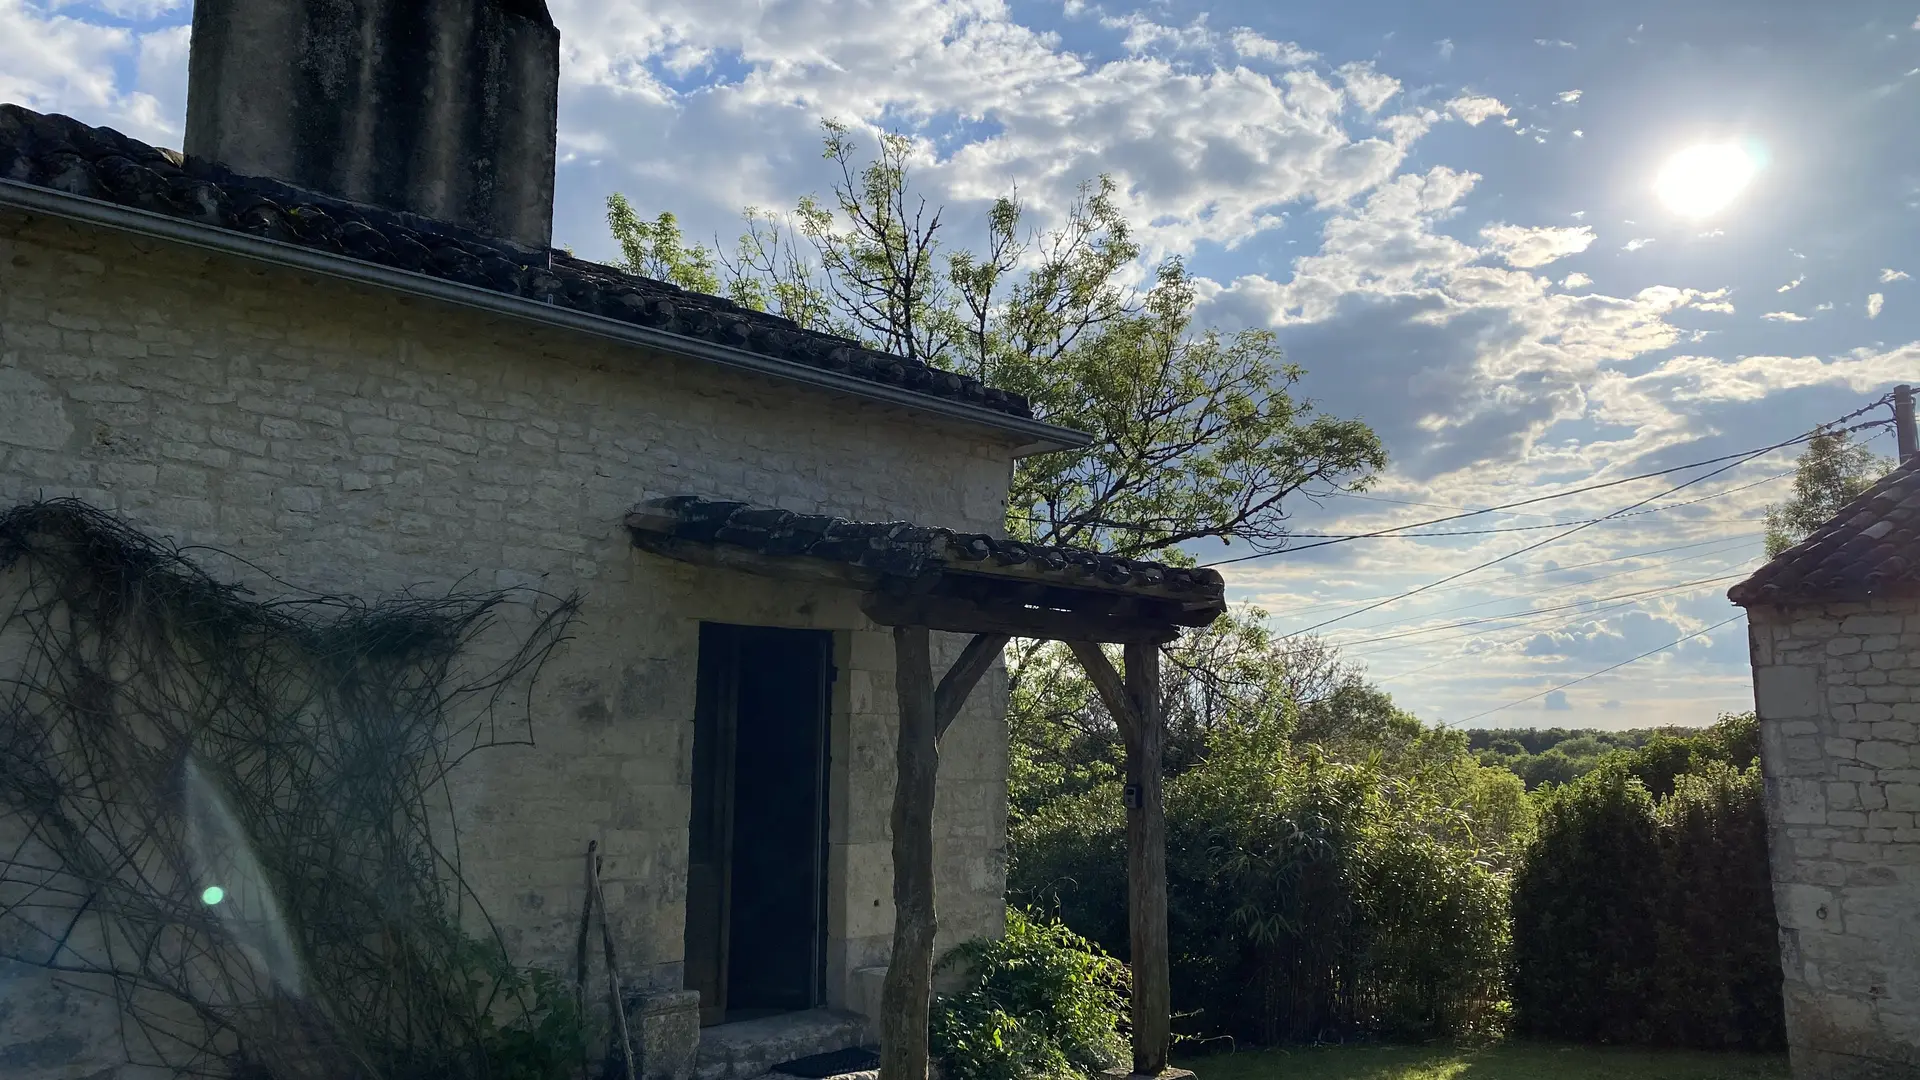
x: 441, y: 108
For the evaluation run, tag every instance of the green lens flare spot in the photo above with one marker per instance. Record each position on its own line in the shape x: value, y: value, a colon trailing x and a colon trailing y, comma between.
x: 212, y: 895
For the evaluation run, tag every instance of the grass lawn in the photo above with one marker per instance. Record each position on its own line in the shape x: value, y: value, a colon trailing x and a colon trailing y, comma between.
x: 1516, y: 1061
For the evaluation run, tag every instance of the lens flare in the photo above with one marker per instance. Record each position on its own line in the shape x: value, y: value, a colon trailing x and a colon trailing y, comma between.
x: 212, y: 895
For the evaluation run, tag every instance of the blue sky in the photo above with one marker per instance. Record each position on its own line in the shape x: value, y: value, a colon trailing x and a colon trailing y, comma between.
x: 1446, y: 211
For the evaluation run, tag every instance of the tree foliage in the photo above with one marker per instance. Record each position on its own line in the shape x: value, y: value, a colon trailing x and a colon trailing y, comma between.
x: 1830, y: 473
x: 656, y: 248
x: 1039, y: 1003
x: 1644, y: 918
x: 1196, y: 433
x: 1308, y: 898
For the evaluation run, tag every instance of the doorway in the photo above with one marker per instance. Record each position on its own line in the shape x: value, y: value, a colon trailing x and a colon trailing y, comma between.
x: 757, y: 839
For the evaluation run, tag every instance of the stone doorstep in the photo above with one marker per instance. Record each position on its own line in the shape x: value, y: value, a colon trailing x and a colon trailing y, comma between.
x: 751, y: 1048
x: 1169, y: 1073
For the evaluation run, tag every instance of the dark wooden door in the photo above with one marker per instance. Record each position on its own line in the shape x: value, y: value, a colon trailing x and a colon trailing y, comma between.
x: 756, y: 890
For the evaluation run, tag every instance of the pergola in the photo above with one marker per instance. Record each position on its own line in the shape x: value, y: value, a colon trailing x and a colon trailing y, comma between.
x: 916, y: 580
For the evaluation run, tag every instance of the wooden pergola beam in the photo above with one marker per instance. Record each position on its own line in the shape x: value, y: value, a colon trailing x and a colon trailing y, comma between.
x: 961, y: 616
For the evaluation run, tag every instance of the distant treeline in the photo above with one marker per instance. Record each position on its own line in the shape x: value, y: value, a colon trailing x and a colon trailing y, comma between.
x: 1560, y: 755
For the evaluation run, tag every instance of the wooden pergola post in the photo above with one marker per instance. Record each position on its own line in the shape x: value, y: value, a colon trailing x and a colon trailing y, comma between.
x: 926, y: 711
x: 1135, y: 704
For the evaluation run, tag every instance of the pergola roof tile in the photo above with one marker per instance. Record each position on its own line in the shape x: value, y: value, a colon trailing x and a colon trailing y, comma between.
x: 903, y: 549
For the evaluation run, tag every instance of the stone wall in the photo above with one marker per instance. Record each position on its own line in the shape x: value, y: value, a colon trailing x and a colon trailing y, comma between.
x: 350, y: 440
x: 1837, y: 688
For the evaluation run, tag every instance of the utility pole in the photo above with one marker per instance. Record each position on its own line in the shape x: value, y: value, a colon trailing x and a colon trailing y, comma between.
x: 1903, y: 428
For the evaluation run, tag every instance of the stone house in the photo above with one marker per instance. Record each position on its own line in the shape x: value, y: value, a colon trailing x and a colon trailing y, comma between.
x: 1834, y: 625
x: 331, y: 339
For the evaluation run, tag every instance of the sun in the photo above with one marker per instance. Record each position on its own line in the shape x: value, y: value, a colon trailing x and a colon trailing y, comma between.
x: 1702, y: 180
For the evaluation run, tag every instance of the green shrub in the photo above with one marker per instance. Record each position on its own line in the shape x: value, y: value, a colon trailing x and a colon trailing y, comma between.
x: 1041, y: 1003
x: 1644, y: 921
x: 1307, y: 899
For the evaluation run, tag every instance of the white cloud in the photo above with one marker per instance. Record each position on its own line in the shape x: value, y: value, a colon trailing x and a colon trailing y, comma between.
x: 1259, y: 47
x: 1553, y: 43
x: 1568, y: 97
x: 1721, y: 307
x: 1783, y: 316
x: 1578, y: 134
x: 1875, y: 301
x: 1476, y: 109
x: 1368, y: 88
x: 1445, y: 45
x: 1144, y: 34
x: 1530, y: 247
x: 1575, y: 280
x: 1792, y: 285
x: 1555, y: 702
x: 1887, y: 276
x: 1636, y: 243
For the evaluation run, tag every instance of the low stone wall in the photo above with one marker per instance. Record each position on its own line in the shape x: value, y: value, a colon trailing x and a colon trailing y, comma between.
x: 1837, y: 688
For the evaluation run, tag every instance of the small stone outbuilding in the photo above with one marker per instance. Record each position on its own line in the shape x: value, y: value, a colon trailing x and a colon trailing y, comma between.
x: 1834, y: 625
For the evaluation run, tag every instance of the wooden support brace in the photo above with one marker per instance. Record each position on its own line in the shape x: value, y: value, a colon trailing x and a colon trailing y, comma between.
x: 961, y: 678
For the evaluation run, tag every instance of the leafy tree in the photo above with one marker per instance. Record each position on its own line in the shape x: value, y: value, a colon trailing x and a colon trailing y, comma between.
x: 1197, y: 434
x: 1831, y: 472
x: 656, y: 249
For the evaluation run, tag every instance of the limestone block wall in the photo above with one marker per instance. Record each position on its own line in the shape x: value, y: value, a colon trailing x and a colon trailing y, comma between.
x: 1837, y: 688
x: 350, y: 440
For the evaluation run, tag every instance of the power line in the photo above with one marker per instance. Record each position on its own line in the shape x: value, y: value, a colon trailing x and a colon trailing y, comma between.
x: 1511, y: 528
x: 1529, y: 623
x: 1521, y: 551
x: 1749, y: 456
x: 1523, y: 528
x: 1643, y: 593
x: 1566, y: 586
x: 1330, y: 605
x: 1743, y: 457
x: 1597, y: 674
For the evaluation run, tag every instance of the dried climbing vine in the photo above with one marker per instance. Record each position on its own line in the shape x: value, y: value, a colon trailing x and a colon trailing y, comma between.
x: 233, y: 816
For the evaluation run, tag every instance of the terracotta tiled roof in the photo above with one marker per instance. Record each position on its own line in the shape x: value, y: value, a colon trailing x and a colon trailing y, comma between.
x: 903, y: 550
x: 1871, y: 548
x: 63, y: 154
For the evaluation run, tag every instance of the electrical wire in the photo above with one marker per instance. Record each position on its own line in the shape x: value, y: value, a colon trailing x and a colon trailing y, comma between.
x: 1330, y: 605
x: 1742, y: 457
x: 1643, y: 593
x: 1597, y: 674
x: 1565, y: 586
x: 1532, y: 623
x: 1549, y: 525
x: 1741, y: 460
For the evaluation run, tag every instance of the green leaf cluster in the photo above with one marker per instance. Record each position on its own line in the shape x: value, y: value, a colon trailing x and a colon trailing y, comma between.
x: 1039, y: 1003
x: 1197, y: 434
x: 1831, y: 472
x: 1643, y: 908
x: 1308, y: 898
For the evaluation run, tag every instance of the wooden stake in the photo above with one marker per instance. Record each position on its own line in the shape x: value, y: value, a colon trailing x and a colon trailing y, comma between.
x: 907, y: 993
x: 613, y: 968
